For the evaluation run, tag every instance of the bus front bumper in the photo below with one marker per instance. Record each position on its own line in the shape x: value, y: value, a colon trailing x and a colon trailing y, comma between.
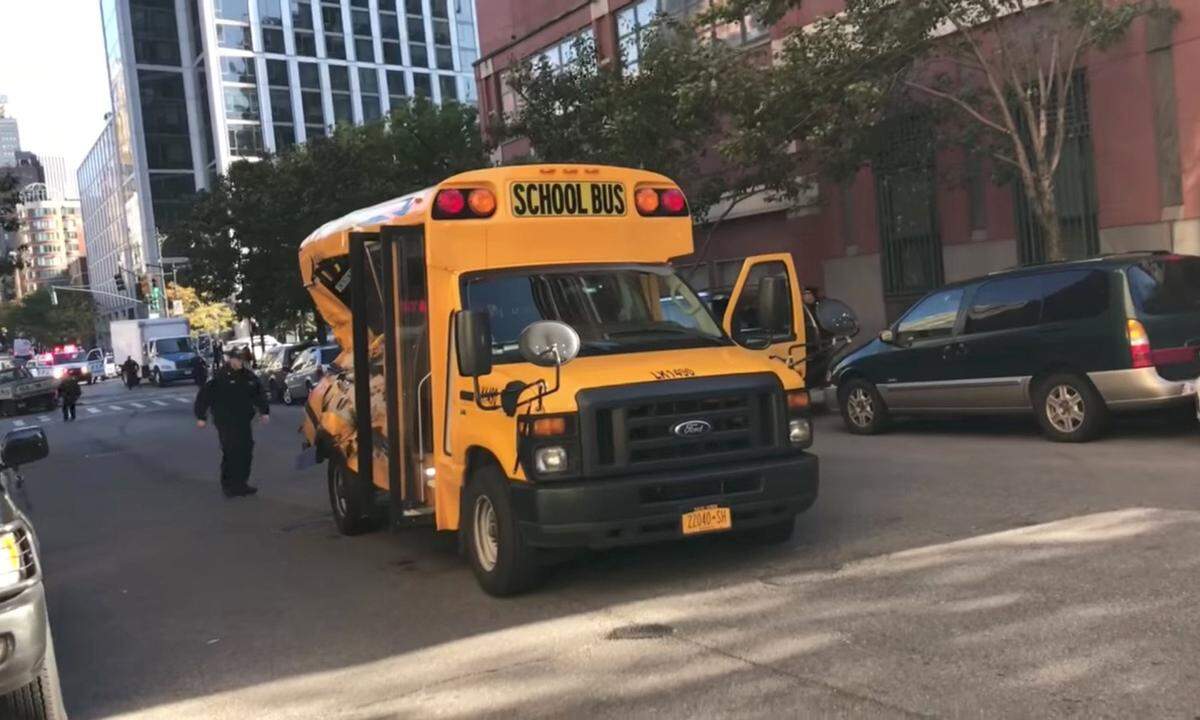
x: 635, y: 509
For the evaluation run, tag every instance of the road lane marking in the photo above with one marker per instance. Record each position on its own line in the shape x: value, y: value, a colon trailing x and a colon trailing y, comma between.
x: 138, y: 405
x: 92, y: 411
x: 19, y: 423
x: 159, y: 403
x: 115, y: 407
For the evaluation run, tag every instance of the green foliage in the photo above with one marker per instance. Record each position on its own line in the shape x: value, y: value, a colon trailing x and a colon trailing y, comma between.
x: 36, y: 318
x: 203, y: 316
x: 9, y: 197
x: 243, y: 235
x: 996, y: 76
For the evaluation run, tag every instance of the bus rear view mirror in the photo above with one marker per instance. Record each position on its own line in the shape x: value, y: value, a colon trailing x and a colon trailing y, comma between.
x: 473, y: 338
x: 549, y: 343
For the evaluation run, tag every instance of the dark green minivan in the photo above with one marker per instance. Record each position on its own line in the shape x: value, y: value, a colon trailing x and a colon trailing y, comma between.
x: 1071, y: 341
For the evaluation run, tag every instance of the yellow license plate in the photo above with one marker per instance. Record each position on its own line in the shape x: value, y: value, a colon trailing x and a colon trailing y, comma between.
x: 567, y: 199
x: 707, y: 519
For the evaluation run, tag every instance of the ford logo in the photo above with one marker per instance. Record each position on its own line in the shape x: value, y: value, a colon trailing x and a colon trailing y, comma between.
x: 691, y: 428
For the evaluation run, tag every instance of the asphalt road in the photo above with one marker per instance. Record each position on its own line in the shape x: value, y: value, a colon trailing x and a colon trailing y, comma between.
x: 948, y: 569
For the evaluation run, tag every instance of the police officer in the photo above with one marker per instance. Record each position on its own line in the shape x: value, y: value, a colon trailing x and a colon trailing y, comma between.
x: 233, y: 394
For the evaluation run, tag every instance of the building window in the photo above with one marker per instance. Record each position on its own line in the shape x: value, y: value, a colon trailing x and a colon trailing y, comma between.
x: 443, y: 52
x: 241, y: 103
x: 422, y: 85
x: 237, y: 10
x: 234, y: 37
x: 397, y: 88
x: 270, y: 16
x: 164, y: 118
x: 368, y: 86
x: 339, y: 88
x: 237, y: 69
x: 155, y: 34
x: 468, y: 49
x: 418, y: 50
x: 564, y: 52
x: 282, y: 118
x: 302, y: 29
x: 245, y: 140
x: 364, y: 38
x: 389, y: 35
x: 633, y: 29
x: 335, y: 39
x: 449, y: 87
x: 310, y: 99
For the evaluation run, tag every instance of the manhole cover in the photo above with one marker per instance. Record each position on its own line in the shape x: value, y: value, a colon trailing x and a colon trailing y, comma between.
x: 640, y: 632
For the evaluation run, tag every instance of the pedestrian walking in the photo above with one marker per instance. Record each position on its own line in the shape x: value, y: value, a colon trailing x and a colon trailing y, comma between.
x: 232, y: 395
x: 129, y: 369
x: 69, y: 392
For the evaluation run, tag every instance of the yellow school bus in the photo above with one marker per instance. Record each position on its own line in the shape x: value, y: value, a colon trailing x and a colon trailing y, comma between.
x: 537, y: 377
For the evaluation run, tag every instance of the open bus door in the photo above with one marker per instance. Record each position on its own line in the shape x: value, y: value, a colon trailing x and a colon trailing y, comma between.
x: 390, y: 336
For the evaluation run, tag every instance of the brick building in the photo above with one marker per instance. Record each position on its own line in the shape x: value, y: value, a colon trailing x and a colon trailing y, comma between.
x: 1130, y: 178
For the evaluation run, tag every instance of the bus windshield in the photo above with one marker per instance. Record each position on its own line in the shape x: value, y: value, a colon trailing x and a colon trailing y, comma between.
x: 614, y: 310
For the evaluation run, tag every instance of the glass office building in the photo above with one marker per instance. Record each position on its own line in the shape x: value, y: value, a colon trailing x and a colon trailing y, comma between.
x: 199, y: 84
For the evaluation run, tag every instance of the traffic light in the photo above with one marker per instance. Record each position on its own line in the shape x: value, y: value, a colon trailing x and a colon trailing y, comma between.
x: 119, y: 279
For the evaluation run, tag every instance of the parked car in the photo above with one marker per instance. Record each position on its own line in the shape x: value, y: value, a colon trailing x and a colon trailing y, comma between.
x: 29, y: 685
x: 1072, y: 341
x: 111, y: 369
x: 275, y: 365
x: 21, y: 390
x: 307, y: 371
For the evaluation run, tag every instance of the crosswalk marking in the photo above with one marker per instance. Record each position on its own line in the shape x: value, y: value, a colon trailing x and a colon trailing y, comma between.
x: 19, y: 423
x: 43, y: 418
x: 182, y: 400
x: 115, y: 407
x: 159, y: 402
x: 138, y: 405
x: 92, y: 411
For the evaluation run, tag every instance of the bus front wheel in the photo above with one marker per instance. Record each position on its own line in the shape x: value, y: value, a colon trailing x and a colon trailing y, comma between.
x: 501, y: 560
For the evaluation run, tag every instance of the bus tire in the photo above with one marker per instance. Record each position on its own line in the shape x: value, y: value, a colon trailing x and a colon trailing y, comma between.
x: 501, y: 560
x: 351, y: 499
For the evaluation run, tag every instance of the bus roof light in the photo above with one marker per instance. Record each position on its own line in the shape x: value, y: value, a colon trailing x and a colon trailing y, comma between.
x: 482, y: 202
x: 449, y: 203
x: 646, y: 200
x: 674, y: 202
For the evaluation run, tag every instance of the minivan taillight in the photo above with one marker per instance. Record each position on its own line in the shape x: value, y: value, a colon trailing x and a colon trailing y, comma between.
x: 1139, y: 344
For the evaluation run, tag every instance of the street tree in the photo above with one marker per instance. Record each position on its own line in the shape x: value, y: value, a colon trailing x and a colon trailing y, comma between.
x: 721, y: 121
x: 203, y: 315
x: 243, y: 234
x: 1006, y: 68
x: 38, y: 318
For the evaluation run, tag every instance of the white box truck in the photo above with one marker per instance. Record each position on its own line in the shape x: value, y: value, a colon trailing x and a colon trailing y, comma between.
x: 162, y: 346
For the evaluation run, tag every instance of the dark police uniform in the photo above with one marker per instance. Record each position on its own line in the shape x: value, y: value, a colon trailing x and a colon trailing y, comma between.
x: 233, y: 396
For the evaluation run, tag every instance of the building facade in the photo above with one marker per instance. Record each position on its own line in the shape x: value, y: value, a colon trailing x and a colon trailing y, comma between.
x: 109, y: 221
x: 1130, y: 178
x: 10, y: 136
x: 199, y: 84
x: 50, y: 236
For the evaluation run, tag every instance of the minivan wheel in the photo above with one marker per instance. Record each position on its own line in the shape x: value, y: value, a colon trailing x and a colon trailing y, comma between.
x: 287, y: 396
x: 863, y: 410
x: 1069, y: 409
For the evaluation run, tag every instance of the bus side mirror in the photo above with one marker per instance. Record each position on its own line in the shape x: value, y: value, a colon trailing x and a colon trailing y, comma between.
x: 473, y: 338
x: 774, y: 298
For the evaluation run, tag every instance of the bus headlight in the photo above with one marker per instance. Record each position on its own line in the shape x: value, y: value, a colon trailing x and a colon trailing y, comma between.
x: 800, y: 432
x: 550, y: 460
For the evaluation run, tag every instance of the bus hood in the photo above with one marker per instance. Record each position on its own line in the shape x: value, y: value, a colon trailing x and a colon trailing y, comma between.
x: 642, y: 367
